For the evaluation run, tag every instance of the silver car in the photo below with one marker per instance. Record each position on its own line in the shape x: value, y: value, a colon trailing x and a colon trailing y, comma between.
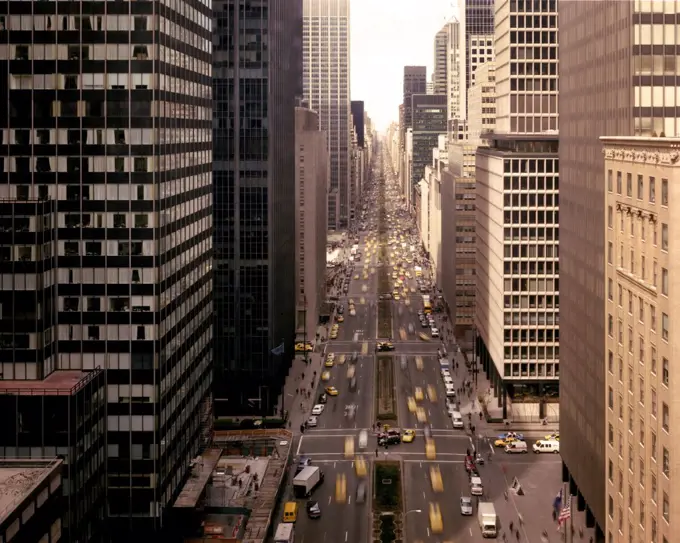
x: 466, y: 506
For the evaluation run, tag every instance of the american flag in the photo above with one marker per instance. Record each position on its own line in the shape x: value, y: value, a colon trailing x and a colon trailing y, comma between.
x: 565, y: 514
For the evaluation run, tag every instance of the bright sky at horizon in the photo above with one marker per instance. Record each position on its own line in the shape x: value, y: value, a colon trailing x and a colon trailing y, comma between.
x: 385, y: 36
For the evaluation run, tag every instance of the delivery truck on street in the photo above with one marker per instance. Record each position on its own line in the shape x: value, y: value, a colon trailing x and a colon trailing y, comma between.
x: 285, y: 533
x: 486, y: 516
x: 306, y: 481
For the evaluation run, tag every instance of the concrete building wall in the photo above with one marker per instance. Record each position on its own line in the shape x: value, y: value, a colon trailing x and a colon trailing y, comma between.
x: 482, y: 102
x: 448, y: 259
x: 326, y: 82
x: 643, y: 408
x: 312, y: 179
x: 489, y: 311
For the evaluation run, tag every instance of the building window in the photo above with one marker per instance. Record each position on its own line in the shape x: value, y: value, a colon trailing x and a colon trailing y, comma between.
x: 629, y: 185
x: 93, y: 333
x: 666, y: 507
x: 610, y: 435
x: 664, y: 236
x: 665, y: 417
x: 653, y: 401
x: 664, y: 192
x: 653, y: 446
x: 664, y: 371
x: 618, y: 182
x: 610, y: 325
x: 610, y: 217
x: 610, y: 181
x: 611, y: 398
x: 652, y: 190
x: 664, y: 281
x: 664, y: 326
x: 640, y: 187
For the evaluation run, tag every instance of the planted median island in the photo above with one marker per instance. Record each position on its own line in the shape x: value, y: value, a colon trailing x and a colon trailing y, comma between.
x: 386, y: 393
x: 387, y: 503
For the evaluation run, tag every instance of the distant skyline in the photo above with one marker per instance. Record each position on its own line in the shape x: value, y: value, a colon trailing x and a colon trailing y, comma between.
x: 385, y: 37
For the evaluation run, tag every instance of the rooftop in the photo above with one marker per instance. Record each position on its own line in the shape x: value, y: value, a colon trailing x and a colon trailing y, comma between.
x: 242, y: 472
x: 18, y: 478
x: 57, y: 383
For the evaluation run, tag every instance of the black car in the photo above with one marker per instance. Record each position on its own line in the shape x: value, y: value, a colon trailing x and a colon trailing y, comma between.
x: 341, y: 309
x: 303, y: 463
x: 313, y: 509
x: 393, y: 437
x: 323, y: 398
x: 424, y: 323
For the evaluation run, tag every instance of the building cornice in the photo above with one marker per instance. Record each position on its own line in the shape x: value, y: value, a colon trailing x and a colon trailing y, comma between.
x: 642, y: 150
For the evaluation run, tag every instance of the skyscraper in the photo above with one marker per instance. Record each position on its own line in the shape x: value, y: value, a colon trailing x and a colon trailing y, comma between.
x: 256, y: 78
x: 625, y: 87
x: 415, y: 82
x: 110, y: 132
x: 429, y: 121
x: 439, y: 75
x: 326, y: 88
x: 477, y: 22
x: 517, y: 197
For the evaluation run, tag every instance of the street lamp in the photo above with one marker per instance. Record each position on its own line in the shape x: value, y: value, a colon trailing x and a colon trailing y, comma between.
x: 413, y: 511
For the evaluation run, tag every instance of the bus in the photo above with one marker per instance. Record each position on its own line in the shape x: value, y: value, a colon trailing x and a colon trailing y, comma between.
x: 285, y: 533
x: 427, y: 305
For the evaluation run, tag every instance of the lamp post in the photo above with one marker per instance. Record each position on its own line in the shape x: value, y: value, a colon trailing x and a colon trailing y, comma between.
x: 413, y: 511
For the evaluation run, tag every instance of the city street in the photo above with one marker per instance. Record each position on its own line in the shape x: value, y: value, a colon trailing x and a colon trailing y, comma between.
x: 418, y: 384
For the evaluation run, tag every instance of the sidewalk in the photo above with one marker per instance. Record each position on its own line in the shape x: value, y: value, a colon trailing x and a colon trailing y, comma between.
x: 300, y: 377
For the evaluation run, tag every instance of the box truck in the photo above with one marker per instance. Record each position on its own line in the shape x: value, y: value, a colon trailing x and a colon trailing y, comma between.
x: 306, y: 481
x: 285, y: 533
x: 486, y: 516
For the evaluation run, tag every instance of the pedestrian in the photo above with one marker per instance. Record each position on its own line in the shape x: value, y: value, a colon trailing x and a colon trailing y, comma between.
x: 517, y: 535
x: 512, y: 525
x: 376, y: 453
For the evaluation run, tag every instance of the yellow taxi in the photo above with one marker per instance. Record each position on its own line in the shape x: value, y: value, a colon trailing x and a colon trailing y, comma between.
x: 396, y: 297
x: 503, y: 442
x: 351, y: 301
x: 436, y: 479
x: 331, y: 391
x: 342, y: 358
x: 421, y: 415
x: 419, y: 362
x: 340, y: 488
x: 326, y: 376
x: 431, y: 393
x: 349, y: 447
x: 411, y: 403
x: 402, y: 334
x: 356, y: 276
x: 334, y: 334
x: 360, y: 467
x: 341, y: 318
x: 424, y: 337
x: 418, y: 394
x: 436, y: 523
x: 330, y: 357
x: 350, y: 372
x: 329, y: 363
x: 302, y: 347
x: 362, y: 301
x: 430, y: 449
x: 409, y: 436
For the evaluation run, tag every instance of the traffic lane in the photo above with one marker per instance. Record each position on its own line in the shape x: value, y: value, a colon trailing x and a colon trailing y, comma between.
x: 417, y: 487
x: 437, y: 414
x: 456, y: 484
x: 336, y: 517
x: 334, y: 412
x: 363, y: 396
x: 417, y: 347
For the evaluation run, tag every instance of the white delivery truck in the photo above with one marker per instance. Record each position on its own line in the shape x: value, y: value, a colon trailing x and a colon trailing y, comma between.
x: 285, y: 533
x: 486, y: 516
x: 306, y: 481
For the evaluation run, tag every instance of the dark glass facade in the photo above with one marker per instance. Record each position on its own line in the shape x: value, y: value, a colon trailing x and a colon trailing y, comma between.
x: 358, y: 121
x: 63, y: 416
x: 257, y: 76
x: 107, y: 114
x: 429, y: 121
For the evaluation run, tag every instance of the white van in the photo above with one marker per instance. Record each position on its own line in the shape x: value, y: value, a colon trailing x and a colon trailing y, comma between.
x: 450, y: 392
x: 476, y: 488
x: 547, y: 446
x: 457, y: 419
x: 516, y: 447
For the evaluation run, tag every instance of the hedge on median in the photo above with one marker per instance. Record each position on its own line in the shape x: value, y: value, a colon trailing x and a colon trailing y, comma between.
x: 385, y: 390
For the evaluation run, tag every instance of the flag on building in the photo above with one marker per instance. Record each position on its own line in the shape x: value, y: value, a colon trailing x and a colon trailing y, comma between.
x: 565, y: 514
x: 278, y: 350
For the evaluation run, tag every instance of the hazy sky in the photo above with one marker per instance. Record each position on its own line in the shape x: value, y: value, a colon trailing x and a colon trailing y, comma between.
x: 387, y: 35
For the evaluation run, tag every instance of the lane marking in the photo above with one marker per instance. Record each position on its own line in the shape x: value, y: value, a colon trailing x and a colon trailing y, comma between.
x: 297, y: 453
